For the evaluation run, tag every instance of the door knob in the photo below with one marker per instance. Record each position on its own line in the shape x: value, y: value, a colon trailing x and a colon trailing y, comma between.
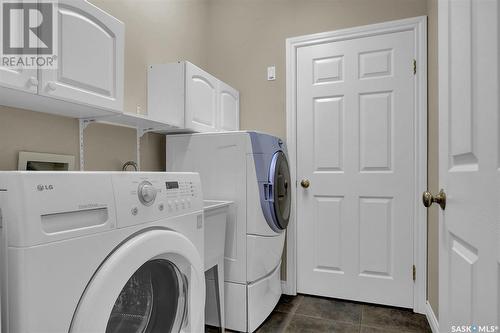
x: 305, y: 183
x: 428, y: 199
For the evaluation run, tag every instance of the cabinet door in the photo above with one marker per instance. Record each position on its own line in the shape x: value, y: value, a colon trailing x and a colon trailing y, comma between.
x: 229, y: 108
x: 90, y: 57
x: 201, y: 100
x: 18, y: 78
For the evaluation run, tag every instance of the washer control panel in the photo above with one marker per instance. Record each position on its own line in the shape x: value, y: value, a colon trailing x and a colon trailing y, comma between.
x: 180, y: 194
x: 148, y: 196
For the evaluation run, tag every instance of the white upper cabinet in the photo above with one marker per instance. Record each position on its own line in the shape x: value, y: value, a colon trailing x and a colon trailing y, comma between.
x: 88, y: 78
x: 90, y: 57
x: 229, y: 103
x: 183, y: 95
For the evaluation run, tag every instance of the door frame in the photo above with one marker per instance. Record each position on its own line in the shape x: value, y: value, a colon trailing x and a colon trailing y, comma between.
x: 419, y: 26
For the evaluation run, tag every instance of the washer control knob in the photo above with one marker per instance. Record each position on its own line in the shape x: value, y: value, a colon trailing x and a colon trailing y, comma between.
x: 146, y: 193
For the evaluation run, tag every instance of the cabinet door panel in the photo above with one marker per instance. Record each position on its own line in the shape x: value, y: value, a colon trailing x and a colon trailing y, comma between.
x: 21, y: 79
x: 201, y: 100
x: 229, y: 108
x: 18, y: 78
x: 90, y: 57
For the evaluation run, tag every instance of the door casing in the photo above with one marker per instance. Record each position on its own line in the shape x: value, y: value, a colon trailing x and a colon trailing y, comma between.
x: 419, y: 27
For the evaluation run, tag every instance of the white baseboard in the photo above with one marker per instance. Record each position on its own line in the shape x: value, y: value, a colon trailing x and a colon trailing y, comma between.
x: 431, y: 317
x: 285, y: 290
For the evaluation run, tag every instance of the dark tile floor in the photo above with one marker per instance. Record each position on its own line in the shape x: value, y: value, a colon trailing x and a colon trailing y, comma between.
x: 317, y: 314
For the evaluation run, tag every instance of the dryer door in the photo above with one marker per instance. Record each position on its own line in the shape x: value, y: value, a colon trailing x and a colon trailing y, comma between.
x: 152, y: 283
x: 279, y: 178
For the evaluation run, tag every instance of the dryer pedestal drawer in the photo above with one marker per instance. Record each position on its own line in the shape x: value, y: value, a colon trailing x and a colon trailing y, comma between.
x: 263, y: 255
x: 262, y: 298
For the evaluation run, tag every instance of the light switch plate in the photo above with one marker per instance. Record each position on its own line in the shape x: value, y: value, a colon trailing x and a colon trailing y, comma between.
x: 271, y: 73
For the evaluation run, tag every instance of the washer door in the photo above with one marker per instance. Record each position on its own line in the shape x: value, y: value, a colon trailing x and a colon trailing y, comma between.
x: 279, y: 178
x: 152, y: 283
x: 153, y: 300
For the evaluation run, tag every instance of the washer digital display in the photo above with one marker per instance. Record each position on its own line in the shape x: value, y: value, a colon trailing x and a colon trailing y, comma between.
x: 172, y: 185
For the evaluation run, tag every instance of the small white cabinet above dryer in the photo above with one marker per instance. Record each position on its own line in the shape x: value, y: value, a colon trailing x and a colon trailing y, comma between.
x: 88, y: 78
x: 183, y: 95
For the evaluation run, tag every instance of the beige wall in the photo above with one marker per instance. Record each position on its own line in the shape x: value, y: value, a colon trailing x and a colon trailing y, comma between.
x: 235, y: 40
x: 433, y: 157
x: 247, y: 36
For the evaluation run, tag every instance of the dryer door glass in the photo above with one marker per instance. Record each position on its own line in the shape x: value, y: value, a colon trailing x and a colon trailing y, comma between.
x: 280, y: 179
x: 153, y: 300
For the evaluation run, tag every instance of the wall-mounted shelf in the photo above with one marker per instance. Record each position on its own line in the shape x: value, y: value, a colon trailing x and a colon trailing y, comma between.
x: 141, y: 123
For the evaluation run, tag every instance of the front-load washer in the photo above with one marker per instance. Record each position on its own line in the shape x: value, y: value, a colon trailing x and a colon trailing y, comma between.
x: 250, y: 169
x: 101, y: 252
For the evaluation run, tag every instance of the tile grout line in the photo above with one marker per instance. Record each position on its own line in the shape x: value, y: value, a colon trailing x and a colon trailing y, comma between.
x: 362, y: 310
x: 329, y: 319
x: 290, y: 315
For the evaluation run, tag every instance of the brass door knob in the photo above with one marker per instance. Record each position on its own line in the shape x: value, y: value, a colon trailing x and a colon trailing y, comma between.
x: 305, y: 183
x: 428, y: 199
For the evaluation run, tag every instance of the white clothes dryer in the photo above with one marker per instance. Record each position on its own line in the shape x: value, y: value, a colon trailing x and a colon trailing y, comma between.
x: 101, y: 252
x: 250, y: 169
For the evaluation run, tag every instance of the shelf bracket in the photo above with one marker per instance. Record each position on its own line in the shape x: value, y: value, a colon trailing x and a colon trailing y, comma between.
x: 83, y: 123
x: 140, y: 133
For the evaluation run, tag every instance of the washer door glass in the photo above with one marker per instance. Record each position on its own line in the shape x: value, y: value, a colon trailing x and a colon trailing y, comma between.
x: 280, y: 178
x: 152, y: 300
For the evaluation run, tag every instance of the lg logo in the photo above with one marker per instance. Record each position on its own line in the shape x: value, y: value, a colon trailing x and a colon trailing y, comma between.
x: 41, y: 187
x: 27, y: 28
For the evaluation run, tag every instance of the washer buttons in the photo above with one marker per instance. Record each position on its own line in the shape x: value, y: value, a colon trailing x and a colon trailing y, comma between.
x: 161, y: 207
x: 134, y: 211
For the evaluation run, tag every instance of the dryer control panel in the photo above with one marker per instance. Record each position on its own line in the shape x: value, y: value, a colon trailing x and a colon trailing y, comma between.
x: 145, y: 197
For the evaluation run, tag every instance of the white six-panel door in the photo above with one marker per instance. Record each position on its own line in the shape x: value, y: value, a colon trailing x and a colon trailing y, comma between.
x: 355, y: 145
x: 469, y: 260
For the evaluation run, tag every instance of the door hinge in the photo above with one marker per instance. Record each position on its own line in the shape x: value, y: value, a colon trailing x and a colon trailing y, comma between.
x: 414, y: 66
x: 414, y: 273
